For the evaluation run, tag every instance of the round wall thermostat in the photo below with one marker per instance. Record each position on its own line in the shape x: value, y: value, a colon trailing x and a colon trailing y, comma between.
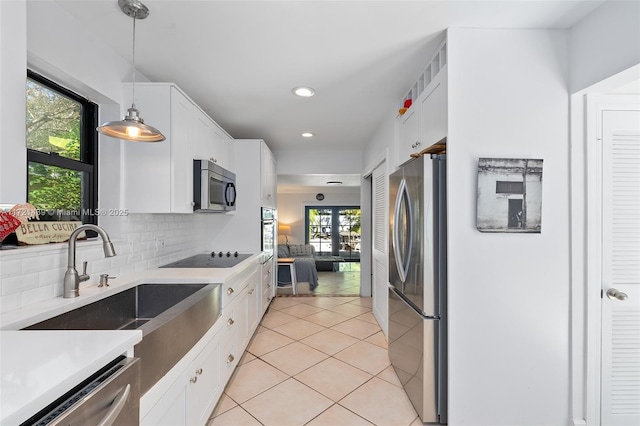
x: 319, y: 197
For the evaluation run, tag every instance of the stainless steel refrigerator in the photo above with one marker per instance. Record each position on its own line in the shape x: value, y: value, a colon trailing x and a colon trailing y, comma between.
x: 418, y: 284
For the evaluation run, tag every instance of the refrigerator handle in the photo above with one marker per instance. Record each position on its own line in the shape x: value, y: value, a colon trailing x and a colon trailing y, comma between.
x: 402, y: 265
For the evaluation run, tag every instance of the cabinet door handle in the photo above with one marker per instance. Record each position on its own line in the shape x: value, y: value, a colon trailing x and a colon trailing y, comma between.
x: 229, y: 291
x: 193, y: 379
x: 230, y: 359
x: 251, y: 291
x: 230, y: 321
x: 199, y: 371
x: 415, y: 145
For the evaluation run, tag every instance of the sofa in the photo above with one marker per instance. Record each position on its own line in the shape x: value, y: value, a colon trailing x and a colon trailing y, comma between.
x: 305, y: 264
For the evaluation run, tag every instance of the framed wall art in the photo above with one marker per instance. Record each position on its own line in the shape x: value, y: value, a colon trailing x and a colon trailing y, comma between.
x: 509, y: 195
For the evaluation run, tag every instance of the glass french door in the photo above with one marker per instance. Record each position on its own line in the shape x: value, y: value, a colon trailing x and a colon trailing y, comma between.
x: 334, y: 231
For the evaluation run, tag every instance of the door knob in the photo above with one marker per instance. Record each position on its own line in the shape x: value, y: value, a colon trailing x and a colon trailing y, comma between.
x: 613, y: 293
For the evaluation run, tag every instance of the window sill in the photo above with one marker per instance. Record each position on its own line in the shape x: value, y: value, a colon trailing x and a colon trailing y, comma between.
x: 52, y: 248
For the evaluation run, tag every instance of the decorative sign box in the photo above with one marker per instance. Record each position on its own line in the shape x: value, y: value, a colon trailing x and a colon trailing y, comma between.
x: 41, y: 232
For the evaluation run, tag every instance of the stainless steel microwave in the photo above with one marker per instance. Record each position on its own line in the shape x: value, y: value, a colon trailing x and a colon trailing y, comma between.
x: 214, y: 188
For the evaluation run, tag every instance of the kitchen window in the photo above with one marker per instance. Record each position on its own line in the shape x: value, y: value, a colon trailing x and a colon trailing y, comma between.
x: 62, y: 154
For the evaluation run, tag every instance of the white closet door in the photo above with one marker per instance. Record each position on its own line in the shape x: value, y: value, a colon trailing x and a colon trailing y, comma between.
x: 620, y: 268
x: 380, y: 222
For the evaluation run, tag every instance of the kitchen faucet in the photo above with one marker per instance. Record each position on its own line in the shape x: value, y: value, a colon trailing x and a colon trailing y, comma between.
x: 71, y: 278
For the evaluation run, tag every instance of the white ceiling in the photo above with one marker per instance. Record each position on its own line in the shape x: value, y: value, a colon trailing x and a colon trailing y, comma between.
x: 239, y: 59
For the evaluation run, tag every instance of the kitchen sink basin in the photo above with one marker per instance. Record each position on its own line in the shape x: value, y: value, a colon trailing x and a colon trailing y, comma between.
x: 172, y: 318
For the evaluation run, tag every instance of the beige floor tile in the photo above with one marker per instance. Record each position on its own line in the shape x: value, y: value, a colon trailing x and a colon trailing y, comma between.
x: 251, y: 379
x: 378, y: 339
x: 289, y: 404
x: 294, y: 358
x: 246, y: 357
x: 261, y: 329
x: 417, y: 422
x: 224, y: 404
x: 274, y: 318
x: 365, y: 356
x: 329, y: 341
x: 349, y: 309
x: 327, y: 318
x: 266, y: 342
x: 323, y: 302
x: 333, y: 378
x: 236, y: 417
x: 298, y: 329
x: 356, y: 328
x: 280, y: 303
x: 389, y: 375
x: 368, y: 317
x: 337, y: 415
x: 301, y: 310
x: 363, y: 301
x: 374, y: 399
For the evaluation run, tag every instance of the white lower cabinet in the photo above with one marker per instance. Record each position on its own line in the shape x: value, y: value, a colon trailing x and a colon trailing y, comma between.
x: 204, y: 384
x: 201, y: 376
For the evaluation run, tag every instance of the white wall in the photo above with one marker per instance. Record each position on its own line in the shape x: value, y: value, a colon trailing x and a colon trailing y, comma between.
x: 13, y: 61
x: 606, y: 42
x: 508, y: 293
x: 291, y: 208
x: 303, y: 162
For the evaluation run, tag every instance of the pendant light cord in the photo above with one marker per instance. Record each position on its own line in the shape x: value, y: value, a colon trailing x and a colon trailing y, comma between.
x: 133, y: 99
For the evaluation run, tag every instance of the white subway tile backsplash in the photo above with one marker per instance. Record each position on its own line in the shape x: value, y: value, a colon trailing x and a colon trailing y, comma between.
x: 19, y: 283
x: 10, y: 302
x: 51, y: 276
x: 37, y: 295
x: 35, y: 274
x: 11, y: 267
x: 37, y: 264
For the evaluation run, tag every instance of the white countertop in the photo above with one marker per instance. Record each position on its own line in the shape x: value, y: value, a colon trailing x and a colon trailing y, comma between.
x: 36, y: 367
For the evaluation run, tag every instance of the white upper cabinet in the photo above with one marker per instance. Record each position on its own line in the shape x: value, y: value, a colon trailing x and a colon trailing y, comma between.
x: 158, y: 177
x: 409, y: 133
x: 434, y: 111
x: 425, y: 122
x: 211, y: 142
x: 268, y: 176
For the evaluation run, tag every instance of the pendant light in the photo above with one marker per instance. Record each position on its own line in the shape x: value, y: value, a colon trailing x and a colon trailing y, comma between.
x: 132, y: 127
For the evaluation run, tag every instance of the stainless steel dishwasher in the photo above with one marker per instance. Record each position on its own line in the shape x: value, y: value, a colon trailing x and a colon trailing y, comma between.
x: 109, y: 397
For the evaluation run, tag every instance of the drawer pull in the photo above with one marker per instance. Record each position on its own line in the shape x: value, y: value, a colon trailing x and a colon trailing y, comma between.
x: 193, y: 379
x: 230, y: 359
x: 199, y: 371
x: 230, y: 321
x: 229, y: 291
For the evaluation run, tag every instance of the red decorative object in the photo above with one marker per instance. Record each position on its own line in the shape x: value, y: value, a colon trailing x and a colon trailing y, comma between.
x: 408, y: 103
x: 8, y: 224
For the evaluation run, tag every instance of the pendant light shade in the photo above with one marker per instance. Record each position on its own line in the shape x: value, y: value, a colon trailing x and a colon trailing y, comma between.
x: 132, y: 127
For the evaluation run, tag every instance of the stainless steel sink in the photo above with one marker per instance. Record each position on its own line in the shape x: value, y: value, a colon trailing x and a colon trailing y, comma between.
x: 172, y: 318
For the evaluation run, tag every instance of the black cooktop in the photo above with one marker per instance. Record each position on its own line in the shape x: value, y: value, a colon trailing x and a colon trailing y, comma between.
x: 213, y: 260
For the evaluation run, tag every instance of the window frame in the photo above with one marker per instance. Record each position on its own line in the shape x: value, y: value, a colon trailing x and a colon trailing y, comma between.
x: 335, y: 236
x: 88, y: 162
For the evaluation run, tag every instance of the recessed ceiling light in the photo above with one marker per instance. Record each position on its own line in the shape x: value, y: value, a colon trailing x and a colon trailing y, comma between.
x: 305, y: 92
x: 334, y: 182
x: 308, y: 134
